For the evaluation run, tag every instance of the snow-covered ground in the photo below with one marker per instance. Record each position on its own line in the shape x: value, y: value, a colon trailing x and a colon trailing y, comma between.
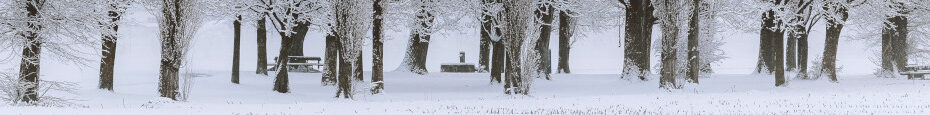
x: 594, y: 88
x: 471, y: 93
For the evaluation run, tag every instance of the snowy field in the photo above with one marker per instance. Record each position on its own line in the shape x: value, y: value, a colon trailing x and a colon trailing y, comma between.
x: 452, y: 93
x: 594, y: 88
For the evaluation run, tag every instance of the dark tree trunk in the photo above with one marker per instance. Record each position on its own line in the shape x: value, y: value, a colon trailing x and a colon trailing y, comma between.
x: 513, y: 40
x: 669, y: 40
x: 29, y: 65
x: 694, y: 59
x: 484, y: 58
x: 779, y: 37
x: 542, y: 44
x: 791, y: 51
x: 497, y: 63
x: 377, y: 66
x: 566, y: 30
x: 297, y: 41
x: 894, y: 44
x: 766, y: 63
x: 236, y: 41
x: 638, y: 38
x: 332, y: 60
x: 107, y: 63
x: 418, y: 47
x: 834, y: 27
x: 802, y: 53
x: 358, y: 67
x: 262, y: 66
x: 171, y: 50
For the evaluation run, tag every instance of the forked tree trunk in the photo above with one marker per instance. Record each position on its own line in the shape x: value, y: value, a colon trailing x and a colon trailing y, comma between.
x: 262, y: 63
x: 638, y: 38
x: 377, y: 56
x: 566, y: 30
x: 107, y: 63
x: 236, y: 39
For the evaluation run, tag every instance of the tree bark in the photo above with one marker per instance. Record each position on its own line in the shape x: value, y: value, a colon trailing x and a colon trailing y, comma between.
x: 332, y: 60
x: 834, y: 27
x: 236, y: 41
x: 894, y: 44
x: 638, y: 38
x: 171, y: 50
x: 262, y: 63
x: 29, y: 65
x: 566, y: 30
x: 669, y: 40
x: 418, y: 46
x: 766, y: 63
x: 377, y: 67
x: 107, y: 63
x: 694, y: 59
x: 545, y: 13
x: 497, y: 63
x: 484, y: 58
x: 802, y: 53
x: 513, y: 40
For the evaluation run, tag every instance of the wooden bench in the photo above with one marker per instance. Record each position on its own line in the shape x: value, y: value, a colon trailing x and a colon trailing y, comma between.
x: 915, y: 71
x: 300, y: 64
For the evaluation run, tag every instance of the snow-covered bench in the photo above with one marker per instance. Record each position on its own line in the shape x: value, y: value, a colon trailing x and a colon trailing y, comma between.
x: 916, y: 71
x: 300, y: 64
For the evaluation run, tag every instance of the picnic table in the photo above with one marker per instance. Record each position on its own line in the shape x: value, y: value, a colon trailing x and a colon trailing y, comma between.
x: 300, y: 64
x: 916, y: 71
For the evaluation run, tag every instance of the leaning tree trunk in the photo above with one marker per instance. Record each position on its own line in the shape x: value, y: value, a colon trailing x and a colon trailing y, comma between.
x: 638, y: 38
x: 281, y: 80
x: 542, y: 44
x: 694, y: 59
x: 566, y: 30
x: 834, y: 27
x: 172, y: 49
x: 377, y: 66
x: 332, y: 58
x: 669, y: 40
x: 262, y: 64
x: 107, y: 63
x: 29, y: 65
x: 236, y: 38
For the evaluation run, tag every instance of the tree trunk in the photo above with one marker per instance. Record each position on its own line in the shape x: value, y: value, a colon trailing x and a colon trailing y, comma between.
x: 694, y: 60
x: 638, y: 38
x: 566, y: 30
x: 262, y: 63
x: 542, y: 44
x: 900, y: 42
x: 297, y: 41
x: 894, y: 44
x: 29, y: 65
x: 802, y: 53
x: 791, y: 52
x: 377, y: 56
x: 834, y: 27
x: 766, y: 63
x: 486, y: 42
x: 107, y: 63
x: 236, y: 38
x: 513, y: 40
x: 669, y: 40
x: 779, y: 38
x: 418, y: 46
x: 358, y: 67
x: 332, y: 60
x: 497, y: 63
x: 171, y: 50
